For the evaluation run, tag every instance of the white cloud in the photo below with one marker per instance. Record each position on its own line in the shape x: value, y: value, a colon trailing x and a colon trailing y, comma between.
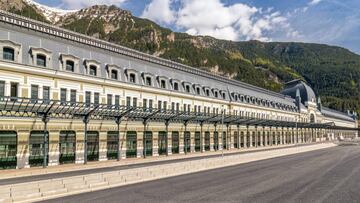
x: 78, y: 4
x: 314, y: 2
x: 211, y: 17
x: 159, y: 11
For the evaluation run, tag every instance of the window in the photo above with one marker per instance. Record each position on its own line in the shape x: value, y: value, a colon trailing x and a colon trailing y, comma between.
x: 63, y: 95
x: 46, y: 93
x: 70, y: 66
x: 8, y: 54
x: 41, y: 60
x: 163, y: 84
x: 135, y: 102
x: 114, y: 74
x: 150, y: 104
x: 173, y: 106
x: 184, y: 108
x: 148, y: 81
x: 165, y: 105
x: 207, y: 92
x: 128, y: 101
x: 96, y: 98
x: 177, y: 107
x: 87, y: 97
x: 223, y: 95
x: 176, y: 86
x: 189, y: 108
x: 144, y: 104
x: 92, y: 70
x: 198, y: 90
x: 132, y: 78
x: 109, y: 99
x: 2, y: 88
x: 117, y: 100
x: 73, y: 96
x: 14, y: 90
x: 187, y: 88
x: 159, y: 105
x: 34, y: 92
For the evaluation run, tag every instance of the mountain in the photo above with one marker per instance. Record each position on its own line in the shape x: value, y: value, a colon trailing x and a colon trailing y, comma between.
x: 333, y: 72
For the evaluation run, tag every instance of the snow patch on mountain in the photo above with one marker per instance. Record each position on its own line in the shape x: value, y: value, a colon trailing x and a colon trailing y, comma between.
x: 52, y: 14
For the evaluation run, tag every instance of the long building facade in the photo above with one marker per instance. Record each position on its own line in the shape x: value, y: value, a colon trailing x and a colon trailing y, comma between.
x: 40, y: 62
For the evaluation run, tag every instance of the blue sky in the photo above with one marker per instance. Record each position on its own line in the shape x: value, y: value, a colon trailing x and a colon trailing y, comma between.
x: 334, y: 22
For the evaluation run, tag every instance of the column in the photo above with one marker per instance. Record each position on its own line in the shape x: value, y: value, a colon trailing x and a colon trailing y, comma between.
x: 202, y: 139
x: 139, y: 144
x: 23, y: 149
x: 102, y: 146
x: 155, y: 143
x: 192, y: 141
x: 54, y: 151
x: 232, y: 136
x: 250, y: 139
x: 79, y: 157
x: 212, y: 141
x: 262, y: 138
x: 181, y: 141
x: 266, y: 138
x: 169, y: 143
x: 220, y: 138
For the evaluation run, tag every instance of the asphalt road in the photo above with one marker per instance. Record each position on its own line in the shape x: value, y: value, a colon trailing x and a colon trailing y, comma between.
x: 329, y: 175
x: 123, y: 167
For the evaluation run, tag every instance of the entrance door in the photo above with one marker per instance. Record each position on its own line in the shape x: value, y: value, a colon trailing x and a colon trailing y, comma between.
x: 67, y: 146
x: 187, y: 142
x: 162, y: 143
x: 92, y: 146
x: 36, y: 148
x: 8, y: 149
x: 148, y: 143
x: 216, y: 141
x: 131, y: 144
x: 207, y: 141
x: 112, y: 144
x: 197, y: 142
x: 175, y: 142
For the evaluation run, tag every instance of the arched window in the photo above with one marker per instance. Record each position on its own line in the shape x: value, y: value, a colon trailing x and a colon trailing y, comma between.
x: 148, y: 81
x: 70, y: 66
x: 132, y: 78
x: 163, y: 84
x: 41, y: 60
x: 9, y: 54
x: 176, y: 86
x: 312, y: 118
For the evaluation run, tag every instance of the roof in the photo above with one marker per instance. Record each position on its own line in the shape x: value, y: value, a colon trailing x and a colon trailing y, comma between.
x: 336, y: 114
x: 299, y: 87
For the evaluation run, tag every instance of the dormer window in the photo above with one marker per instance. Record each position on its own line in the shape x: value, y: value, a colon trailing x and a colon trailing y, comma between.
x: 70, y: 66
x: 9, y: 54
x: 93, y: 70
x: 236, y: 98
x: 216, y: 94
x: 198, y: 90
x: 41, y: 60
x: 163, y: 84
x: 148, y: 81
x: 176, y: 86
x: 223, y: 95
x: 132, y: 78
x: 187, y: 88
x: 207, y: 92
x: 114, y: 74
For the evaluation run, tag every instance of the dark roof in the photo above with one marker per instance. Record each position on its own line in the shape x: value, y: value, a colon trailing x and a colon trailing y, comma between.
x: 295, y: 87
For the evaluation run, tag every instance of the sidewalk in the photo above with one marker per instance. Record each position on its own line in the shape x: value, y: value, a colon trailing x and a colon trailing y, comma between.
x: 111, y: 165
x: 57, y: 187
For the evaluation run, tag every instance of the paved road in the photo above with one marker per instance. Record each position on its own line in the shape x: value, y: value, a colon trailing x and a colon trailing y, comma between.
x: 329, y: 175
x: 123, y: 167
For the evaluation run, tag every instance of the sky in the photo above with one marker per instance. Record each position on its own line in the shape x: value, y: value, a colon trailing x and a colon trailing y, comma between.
x: 334, y: 22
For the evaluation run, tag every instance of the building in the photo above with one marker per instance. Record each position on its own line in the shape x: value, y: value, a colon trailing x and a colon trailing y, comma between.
x: 98, y: 101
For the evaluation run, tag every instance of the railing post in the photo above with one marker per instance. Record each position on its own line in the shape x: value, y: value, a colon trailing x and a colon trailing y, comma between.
x: 45, y: 120
x: 167, y: 122
x: 86, y: 121
x: 118, y: 121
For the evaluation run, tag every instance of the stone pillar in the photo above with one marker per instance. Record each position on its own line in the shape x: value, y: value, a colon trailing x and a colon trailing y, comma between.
x: 232, y: 136
x: 102, y: 146
x: 23, y: 149
x: 79, y: 157
x: 181, y: 142
x: 262, y: 139
x: 54, y: 151
x: 155, y: 143
x: 266, y: 138
x: 140, y: 144
x: 212, y: 141
x: 192, y: 141
x: 202, y: 140
x: 122, y: 144
x: 169, y: 142
x: 250, y: 139
x: 220, y: 138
